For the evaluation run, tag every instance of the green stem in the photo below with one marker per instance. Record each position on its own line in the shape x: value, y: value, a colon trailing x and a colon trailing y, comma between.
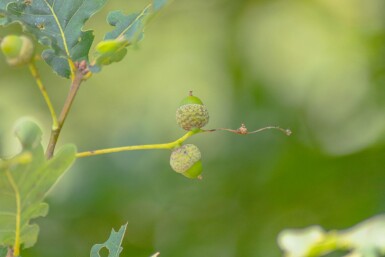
x: 242, y: 131
x: 16, y: 246
x: 170, y: 145
x: 75, y: 85
x: 35, y: 73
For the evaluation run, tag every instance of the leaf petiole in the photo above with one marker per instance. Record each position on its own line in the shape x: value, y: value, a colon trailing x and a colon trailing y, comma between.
x: 16, y: 246
x: 35, y: 73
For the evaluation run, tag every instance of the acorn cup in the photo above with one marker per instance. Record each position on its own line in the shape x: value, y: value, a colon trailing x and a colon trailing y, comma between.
x: 187, y: 161
x: 192, y: 113
x: 18, y: 50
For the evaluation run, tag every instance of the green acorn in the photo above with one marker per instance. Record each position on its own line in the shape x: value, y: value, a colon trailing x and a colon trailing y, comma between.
x: 192, y: 113
x: 187, y: 161
x: 18, y: 50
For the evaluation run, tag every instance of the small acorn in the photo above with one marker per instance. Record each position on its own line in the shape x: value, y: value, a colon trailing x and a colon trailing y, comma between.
x: 187, y: 161
x: 18, y: 50
x: 192, y: 113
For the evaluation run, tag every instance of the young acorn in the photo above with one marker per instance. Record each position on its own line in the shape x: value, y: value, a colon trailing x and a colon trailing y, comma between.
x: 187, y: 161
x: 18, y: 50
x: 192, y: 114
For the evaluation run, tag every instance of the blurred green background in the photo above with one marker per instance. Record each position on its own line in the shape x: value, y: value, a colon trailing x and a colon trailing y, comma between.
x: 316, y: 67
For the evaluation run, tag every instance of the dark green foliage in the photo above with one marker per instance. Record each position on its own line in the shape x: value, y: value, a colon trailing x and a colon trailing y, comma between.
x: 58, y: 25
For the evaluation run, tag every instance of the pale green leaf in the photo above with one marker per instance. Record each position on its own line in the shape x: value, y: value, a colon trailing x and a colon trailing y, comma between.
x: 366, y: 236
x: 366, y: 239
x: 298, y: 242
x: 109, y: 51
x: 25, y: 180
x: 129, y: 30
x: 58, y: 25
x: 113, y: 244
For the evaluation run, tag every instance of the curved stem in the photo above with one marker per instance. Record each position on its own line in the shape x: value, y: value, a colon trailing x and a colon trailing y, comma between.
x: 170, y: 145
x: 35, y: 73
x: 75, y: 85
x: 241, y: 131
x: 285, y: 131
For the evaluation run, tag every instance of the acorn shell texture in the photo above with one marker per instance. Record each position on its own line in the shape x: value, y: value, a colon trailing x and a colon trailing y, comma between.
x: 184, y: 157
x: 190, y: 116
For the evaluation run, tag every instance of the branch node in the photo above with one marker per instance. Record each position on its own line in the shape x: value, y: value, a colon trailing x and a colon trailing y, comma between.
x: 242, y: 130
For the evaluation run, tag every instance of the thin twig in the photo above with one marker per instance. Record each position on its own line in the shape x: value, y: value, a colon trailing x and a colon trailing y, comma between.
x: 10, y: 252
x: 244, y: 131
x: 286, y: 131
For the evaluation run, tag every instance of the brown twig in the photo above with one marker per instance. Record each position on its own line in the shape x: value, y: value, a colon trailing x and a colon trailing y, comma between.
x: 10, y: 252
x: 75, y: 85
x: 242, y: 130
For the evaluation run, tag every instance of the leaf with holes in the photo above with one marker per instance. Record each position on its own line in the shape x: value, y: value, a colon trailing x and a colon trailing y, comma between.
x: 113, y: 244
x: 25, y: 180
x: 128, y: 30
x: 58, y: 25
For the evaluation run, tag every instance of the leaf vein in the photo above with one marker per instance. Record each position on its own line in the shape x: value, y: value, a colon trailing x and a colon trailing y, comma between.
x: 69, y: 20
x: 59, y: 27
x: 136, y: 19
x: 63, y: 37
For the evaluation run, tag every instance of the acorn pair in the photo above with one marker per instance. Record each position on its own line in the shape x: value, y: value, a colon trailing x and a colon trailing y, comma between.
x: 191, y: 115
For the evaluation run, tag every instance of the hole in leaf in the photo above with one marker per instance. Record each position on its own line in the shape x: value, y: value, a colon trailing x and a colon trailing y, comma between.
x: 40, y: 26
x: 104, y: 252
